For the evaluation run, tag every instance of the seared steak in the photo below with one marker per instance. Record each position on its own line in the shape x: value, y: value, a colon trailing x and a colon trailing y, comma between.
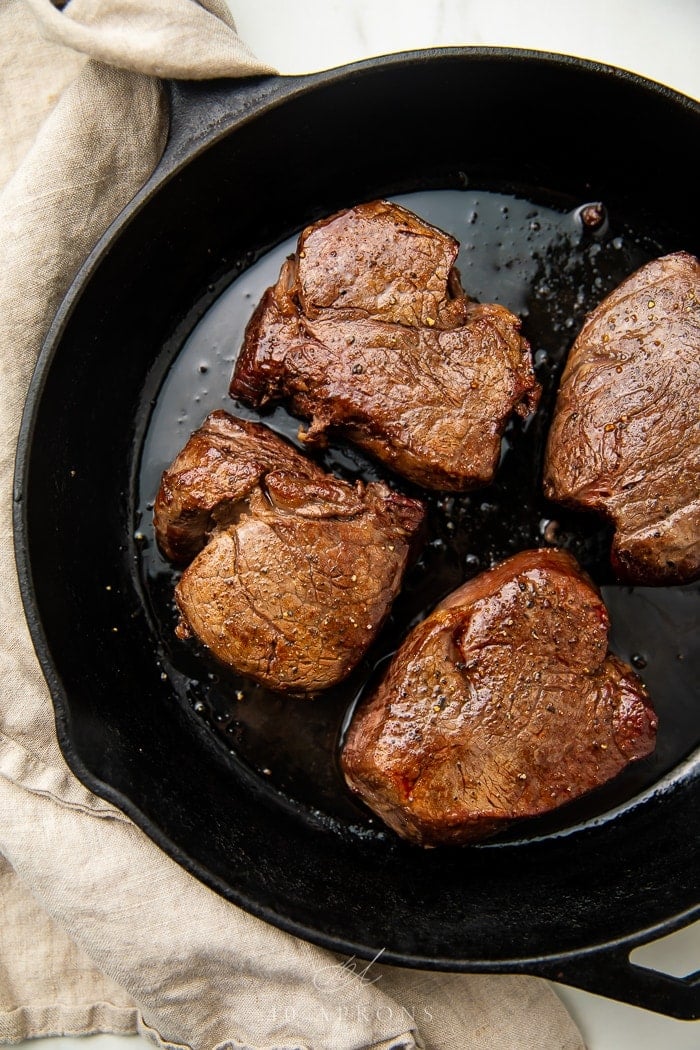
x: 368, y: 334
x: 503, y: 704
x: 294, y: 570
x: 625, y: 438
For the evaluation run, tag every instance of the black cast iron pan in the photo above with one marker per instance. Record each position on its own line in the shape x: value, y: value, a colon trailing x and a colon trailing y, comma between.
x: 502, y: 147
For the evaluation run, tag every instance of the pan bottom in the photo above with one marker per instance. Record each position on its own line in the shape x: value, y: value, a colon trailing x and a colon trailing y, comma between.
x: 541, y: 260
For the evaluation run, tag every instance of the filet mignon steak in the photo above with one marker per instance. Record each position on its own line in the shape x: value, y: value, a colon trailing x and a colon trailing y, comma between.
x: 369, y: 334
x: 293, y: 570
x: 625, y: 437
x: 503, y: 704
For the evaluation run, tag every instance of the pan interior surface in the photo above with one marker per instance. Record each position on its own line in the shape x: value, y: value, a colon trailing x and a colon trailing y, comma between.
x: 546, y: 266
x: 503, y: 153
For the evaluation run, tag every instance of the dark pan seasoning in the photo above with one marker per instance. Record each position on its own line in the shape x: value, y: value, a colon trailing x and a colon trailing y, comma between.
x: 550, y: 266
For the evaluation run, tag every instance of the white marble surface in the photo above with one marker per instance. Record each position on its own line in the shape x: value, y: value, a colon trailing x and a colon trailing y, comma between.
x: 659, y: 39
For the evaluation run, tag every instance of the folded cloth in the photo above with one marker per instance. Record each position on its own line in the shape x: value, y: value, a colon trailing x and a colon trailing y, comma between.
x: 99, y: 930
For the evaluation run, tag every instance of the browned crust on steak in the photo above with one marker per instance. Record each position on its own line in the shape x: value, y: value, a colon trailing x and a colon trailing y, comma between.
x: 369, y: 334
x: 222, y: 463
x: 503, y: 704
x: 292, y: 571
x: 625, y: 437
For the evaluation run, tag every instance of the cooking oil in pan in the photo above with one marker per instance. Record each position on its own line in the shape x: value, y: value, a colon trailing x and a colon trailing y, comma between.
x: 550, y: 266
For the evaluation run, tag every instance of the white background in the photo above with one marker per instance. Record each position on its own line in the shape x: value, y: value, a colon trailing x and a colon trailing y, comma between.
x: 659, y: 39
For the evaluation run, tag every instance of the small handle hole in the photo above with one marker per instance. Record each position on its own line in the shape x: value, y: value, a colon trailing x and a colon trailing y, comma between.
x: 677, y: 954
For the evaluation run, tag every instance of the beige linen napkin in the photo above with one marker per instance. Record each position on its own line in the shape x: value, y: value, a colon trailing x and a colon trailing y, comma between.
x: 99, y: 930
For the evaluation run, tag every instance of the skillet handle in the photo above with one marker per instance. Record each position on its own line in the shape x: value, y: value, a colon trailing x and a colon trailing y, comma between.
x: 611, y: 973
x: 202, y: 110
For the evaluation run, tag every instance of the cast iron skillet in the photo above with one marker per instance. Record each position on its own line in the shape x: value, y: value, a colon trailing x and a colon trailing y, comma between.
x: 247, y: 165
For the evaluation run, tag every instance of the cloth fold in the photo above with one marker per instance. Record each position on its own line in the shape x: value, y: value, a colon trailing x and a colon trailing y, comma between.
x: 178, y: 39
x: 99, y: 930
